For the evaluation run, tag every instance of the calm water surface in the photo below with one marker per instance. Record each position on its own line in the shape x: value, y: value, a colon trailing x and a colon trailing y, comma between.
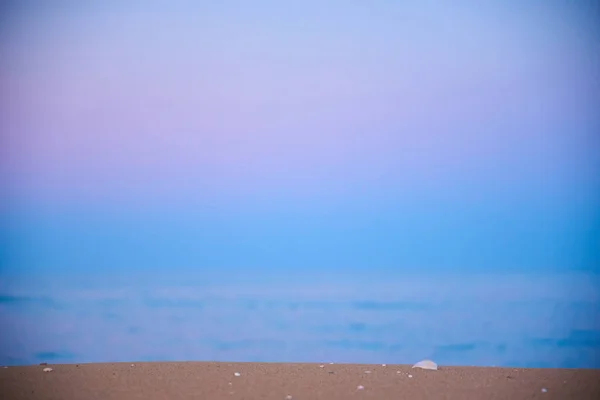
x: 549, y: 320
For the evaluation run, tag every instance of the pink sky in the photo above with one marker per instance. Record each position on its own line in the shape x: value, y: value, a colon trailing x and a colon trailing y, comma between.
x: 150, y: 101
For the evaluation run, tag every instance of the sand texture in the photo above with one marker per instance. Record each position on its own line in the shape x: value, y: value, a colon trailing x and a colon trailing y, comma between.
x: 265, y: 381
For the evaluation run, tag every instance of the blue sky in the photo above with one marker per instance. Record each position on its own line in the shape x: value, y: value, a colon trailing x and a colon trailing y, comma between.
x: 311, y: 135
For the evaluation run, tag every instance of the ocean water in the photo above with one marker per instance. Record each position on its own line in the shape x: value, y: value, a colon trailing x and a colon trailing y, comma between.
x: 521, y: 320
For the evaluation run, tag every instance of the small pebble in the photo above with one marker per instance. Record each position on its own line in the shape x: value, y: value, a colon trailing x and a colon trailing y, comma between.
x: 288, y: 397
x: 229, y: 383
x: 321, y: 366
x: 367, y: 372
x: 237, y: 374
x: 398, y: 372
x: 133, y: 365
x: 383, y: 365
x: 544, y: 390
x: 47, y: 369
x: 409, y: 375
x: 360, y: 387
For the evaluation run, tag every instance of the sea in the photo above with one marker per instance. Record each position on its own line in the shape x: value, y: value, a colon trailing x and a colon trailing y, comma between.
x: 545, y: 320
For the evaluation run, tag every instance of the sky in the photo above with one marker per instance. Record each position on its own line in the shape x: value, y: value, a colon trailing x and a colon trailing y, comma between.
x: 413, y: 135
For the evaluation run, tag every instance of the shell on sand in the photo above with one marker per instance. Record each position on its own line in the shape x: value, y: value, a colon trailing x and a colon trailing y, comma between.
x: 426, y: 364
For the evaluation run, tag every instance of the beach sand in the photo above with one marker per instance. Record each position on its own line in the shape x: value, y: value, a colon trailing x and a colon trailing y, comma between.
x: 265, y: 381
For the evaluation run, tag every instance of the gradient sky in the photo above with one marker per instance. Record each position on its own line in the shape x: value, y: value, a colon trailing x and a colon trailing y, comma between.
x: 330, y: 134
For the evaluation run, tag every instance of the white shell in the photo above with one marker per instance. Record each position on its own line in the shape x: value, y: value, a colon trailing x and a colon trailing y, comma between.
x: 237, y: 374
x: 47, y: 369
x: 426, y: 364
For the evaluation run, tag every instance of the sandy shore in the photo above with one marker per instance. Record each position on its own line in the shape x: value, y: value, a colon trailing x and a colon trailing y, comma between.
x: 216, y: 381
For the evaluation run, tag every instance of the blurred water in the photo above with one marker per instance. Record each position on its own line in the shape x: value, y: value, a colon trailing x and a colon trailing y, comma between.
x: 503, y: 319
